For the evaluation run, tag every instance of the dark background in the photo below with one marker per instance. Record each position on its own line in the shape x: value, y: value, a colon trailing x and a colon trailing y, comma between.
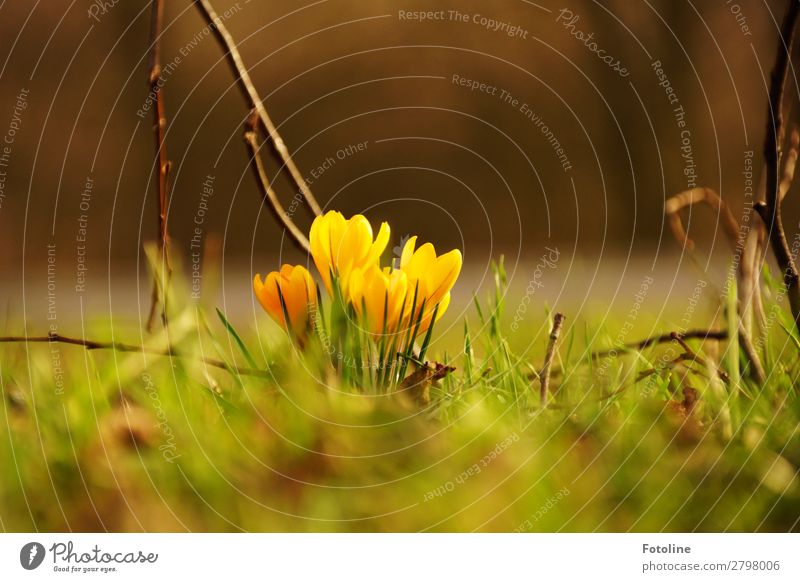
x: 460, y: 168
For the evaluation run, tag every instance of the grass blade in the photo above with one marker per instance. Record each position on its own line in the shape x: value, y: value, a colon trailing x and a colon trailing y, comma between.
x: 236, y: 338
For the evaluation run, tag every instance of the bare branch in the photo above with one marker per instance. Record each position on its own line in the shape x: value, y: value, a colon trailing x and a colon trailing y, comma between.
x: 757, y: 369
x: 750, y: 300
x: 695, y: 357
x: 162, y: 163
x: 747, y: 281
x: 770, y: 211
x: 707, y: 196
x: 121, y: 347
x: 267, y: 193
x: 558, y: 322
x: 702, y: 334
x: 790, y: 163
x: 250, y: 93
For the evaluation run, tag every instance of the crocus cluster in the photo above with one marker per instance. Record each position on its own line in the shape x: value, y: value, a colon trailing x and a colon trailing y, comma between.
x: 385, y: 301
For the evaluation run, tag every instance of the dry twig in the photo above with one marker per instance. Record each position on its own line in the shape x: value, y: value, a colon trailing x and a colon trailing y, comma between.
x: 121, y: 347
x: 790, y: 163
x: 558, y: 322
x: 695, y: 357
x: 162, y: 163
x: 750, y: 299
x: 702, y: 334
x: 250, y: 93
x: 747, y: 281
x: 707, y: 196
x: 757, y: 369
x: 267, y: 193
x: 770, y: 210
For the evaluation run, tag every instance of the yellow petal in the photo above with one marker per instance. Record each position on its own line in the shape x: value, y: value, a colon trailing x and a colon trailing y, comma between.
x: 356, y: 290
x: 444, y: 275
x: 297, y: 289
x: 296, y: 296
x: 408, y: 252
x: 375, y: 298
x: 421, y: 262
x: 320, y: 240
x: 270, y: 299
x: 398, y: 288
x: 340, y: 246
x: 286, y: 273
x: 258, y: 286
x: 377, y: 248
x: 337, y: 224
x: 355, y: 245
x: 443, y: 305
x: 260, y: 292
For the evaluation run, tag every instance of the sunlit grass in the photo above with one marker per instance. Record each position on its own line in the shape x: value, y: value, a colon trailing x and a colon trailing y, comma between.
x: 131, y: 441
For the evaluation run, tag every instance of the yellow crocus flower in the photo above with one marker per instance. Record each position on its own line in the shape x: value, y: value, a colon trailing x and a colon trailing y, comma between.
x: 427, y: 317
x: 432, y: 276
x: 340, y: 246
x: 299, y: 292
x: 379, y: 295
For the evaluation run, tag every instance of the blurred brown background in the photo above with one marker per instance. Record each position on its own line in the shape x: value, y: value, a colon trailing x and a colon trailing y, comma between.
x: 461, y: 168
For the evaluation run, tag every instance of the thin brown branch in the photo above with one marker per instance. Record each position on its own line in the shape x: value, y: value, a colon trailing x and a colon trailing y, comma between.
x: 162, y: 164
x: 702, y: 334
x: 697, y: 358
x: 682, y: 342
x: 267, y: 193
x: 770, y: 210
x: 750, y: 300
x: 250, y: 93
x: 558, y: 322
x: 738, y: 244
x: 707, y: 196
x: 757, y: 369
x: 122, y: 347
x: 790, y: 163
x: 644, y: 374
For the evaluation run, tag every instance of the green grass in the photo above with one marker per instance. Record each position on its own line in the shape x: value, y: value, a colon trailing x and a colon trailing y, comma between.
x: 127, y: 442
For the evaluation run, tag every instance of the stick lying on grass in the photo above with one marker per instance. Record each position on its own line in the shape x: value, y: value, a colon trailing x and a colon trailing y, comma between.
x: 171, y: 352
x: 703, y: 334
x: 121, y: 347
